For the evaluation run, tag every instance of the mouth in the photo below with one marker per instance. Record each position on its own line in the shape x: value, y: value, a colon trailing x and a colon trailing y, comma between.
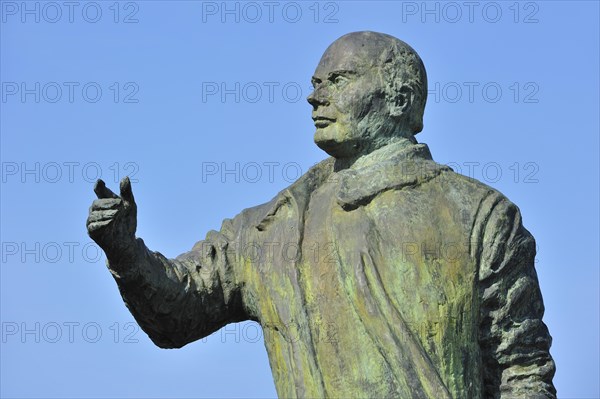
x: 322, y: 121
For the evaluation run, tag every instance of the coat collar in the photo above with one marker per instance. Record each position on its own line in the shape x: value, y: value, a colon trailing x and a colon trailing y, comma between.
x: 392, y: 167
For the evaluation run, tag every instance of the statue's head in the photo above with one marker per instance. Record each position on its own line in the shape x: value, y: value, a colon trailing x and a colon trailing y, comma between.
x: 368, y: 87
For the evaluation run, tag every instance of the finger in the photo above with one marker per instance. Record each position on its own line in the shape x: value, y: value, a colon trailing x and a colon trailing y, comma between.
x: 102, y: 191
x: 106, y: 203
x: 126, y: 192
x: 99, y: 216
x: 97, y: 225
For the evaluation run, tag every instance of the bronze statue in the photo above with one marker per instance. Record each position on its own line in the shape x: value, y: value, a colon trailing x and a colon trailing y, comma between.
x: 378, y: 273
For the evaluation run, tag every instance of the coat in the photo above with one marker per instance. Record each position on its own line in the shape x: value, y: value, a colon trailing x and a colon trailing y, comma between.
x: 394, y: 278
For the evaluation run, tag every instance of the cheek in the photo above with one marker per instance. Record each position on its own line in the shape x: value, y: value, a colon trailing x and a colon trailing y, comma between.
x: 355, y: 105
x: 365, y: 106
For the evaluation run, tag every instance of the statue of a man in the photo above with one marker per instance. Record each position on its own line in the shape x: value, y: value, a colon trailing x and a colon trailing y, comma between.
x: 379, y: 273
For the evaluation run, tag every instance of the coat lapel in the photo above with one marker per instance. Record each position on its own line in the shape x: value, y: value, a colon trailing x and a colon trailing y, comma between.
x: 298, y: 194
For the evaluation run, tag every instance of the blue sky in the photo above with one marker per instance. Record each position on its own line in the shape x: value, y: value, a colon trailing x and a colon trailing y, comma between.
x: 203, y: 105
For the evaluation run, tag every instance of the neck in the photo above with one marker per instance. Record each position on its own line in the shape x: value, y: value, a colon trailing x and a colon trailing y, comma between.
x: 370, y: 155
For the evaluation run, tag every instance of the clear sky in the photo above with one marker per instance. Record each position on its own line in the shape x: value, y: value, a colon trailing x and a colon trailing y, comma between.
x: 203, y: 105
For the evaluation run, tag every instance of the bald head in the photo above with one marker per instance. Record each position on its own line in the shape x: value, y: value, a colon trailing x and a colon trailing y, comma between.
x: 401, y: 66
x: 369, y: 89
x: 360, y: 49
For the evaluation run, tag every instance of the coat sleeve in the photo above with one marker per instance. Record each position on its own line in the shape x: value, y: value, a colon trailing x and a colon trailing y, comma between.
x: 177, y: 301
x: 514, y: 340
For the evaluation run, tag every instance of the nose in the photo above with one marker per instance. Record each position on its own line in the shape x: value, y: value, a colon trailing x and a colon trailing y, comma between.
x: 317, y: 97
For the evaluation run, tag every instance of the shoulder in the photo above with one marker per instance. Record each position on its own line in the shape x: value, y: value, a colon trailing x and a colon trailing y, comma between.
x: 297, y: 193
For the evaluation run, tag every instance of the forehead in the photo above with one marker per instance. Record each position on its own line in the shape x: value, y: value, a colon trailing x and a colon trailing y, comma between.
x: 349, y: 55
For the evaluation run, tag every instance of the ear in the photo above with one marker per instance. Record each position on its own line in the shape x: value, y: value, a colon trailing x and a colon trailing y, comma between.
x: 402, y: 102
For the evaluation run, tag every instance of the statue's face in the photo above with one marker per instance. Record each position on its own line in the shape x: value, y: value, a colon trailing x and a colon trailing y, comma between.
x: 349, y: 103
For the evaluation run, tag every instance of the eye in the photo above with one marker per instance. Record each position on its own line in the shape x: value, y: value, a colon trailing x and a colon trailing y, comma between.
x: 339, y: 80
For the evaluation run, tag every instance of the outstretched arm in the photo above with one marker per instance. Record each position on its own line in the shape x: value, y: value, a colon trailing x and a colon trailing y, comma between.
x: 514, y: 340
x: 175, y: 301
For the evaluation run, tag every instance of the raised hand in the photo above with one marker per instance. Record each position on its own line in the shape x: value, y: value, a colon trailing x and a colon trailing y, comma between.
x: 112, y: 220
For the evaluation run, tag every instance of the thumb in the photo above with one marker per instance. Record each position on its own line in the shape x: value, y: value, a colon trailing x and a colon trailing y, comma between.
x: 102, y: 191
x: 126, y: 193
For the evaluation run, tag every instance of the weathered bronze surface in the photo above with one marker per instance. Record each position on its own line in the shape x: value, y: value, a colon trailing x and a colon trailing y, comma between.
x: 379, y: 273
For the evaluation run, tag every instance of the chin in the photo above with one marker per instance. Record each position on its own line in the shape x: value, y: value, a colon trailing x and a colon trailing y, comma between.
x: 333, y: 145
